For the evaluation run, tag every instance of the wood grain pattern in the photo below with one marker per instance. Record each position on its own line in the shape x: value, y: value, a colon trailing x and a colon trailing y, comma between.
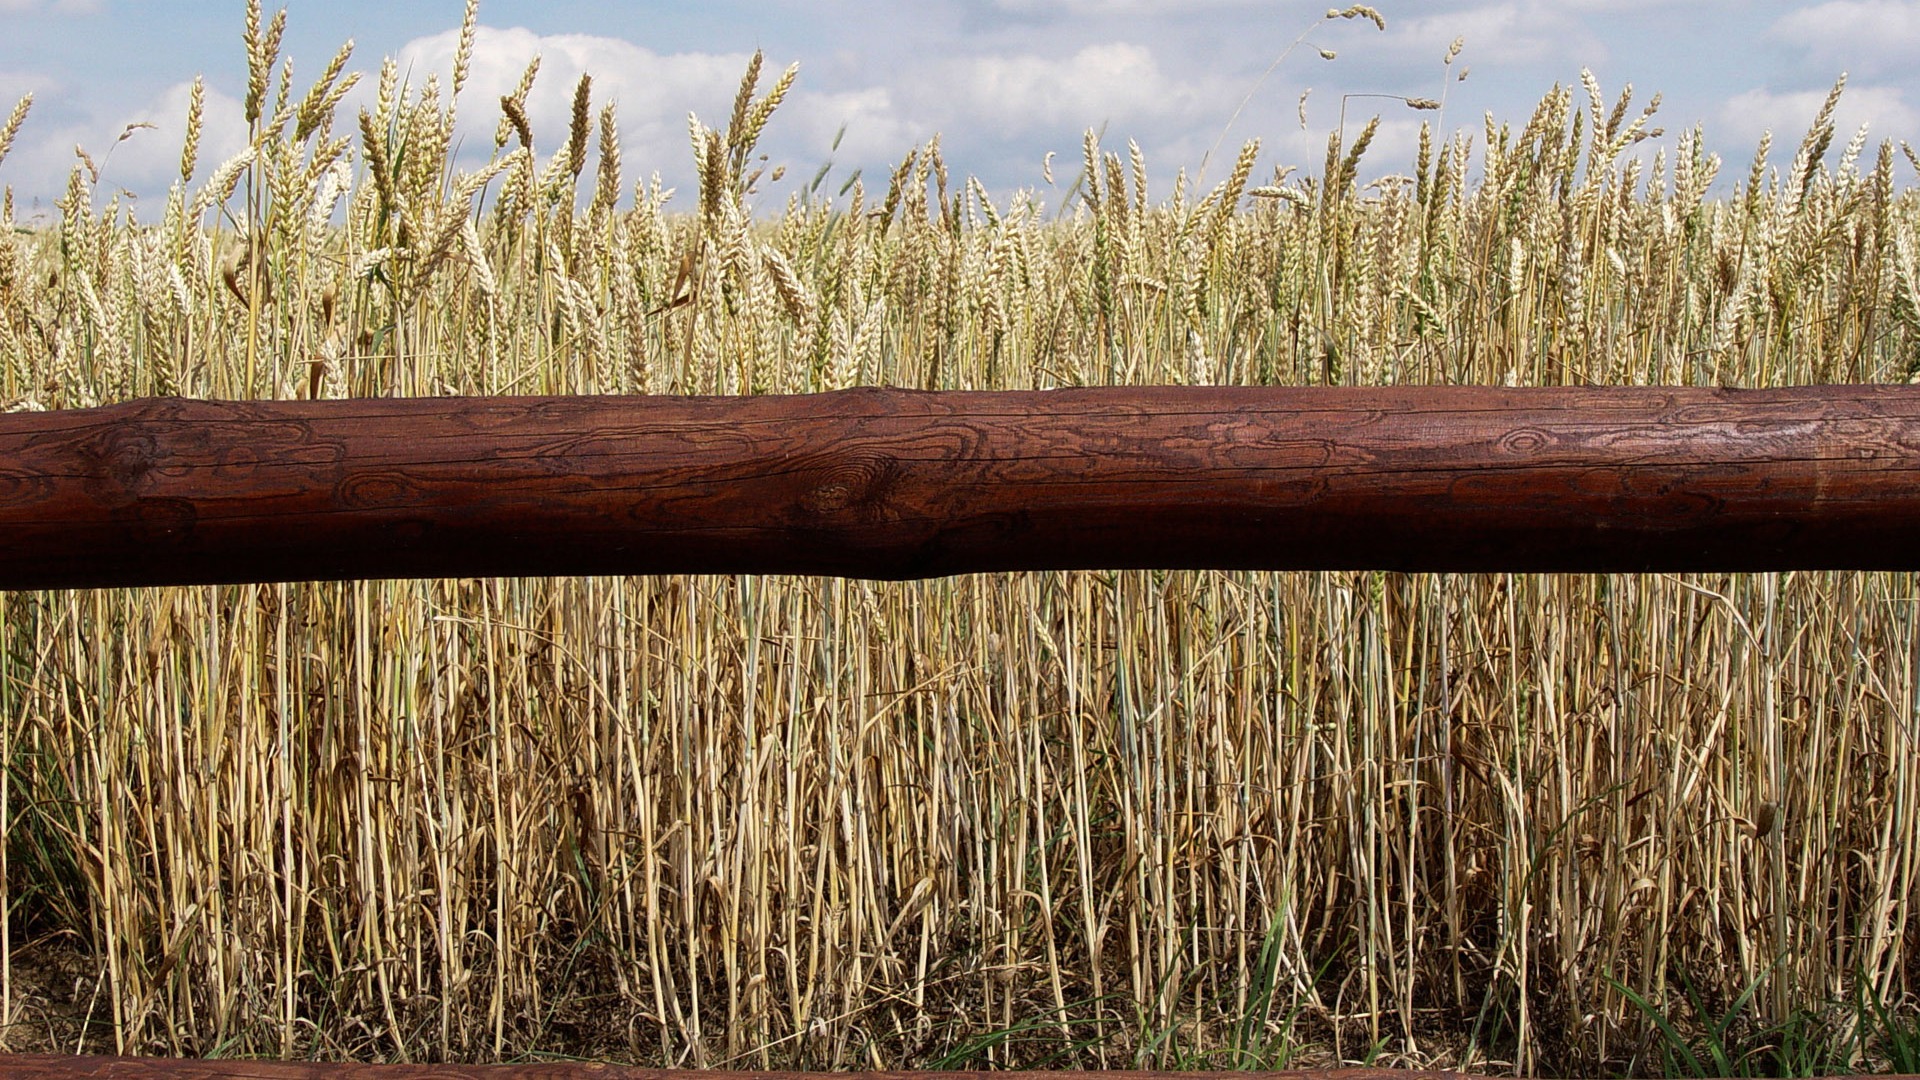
x: 879, y: 483
x: 54, y: 1067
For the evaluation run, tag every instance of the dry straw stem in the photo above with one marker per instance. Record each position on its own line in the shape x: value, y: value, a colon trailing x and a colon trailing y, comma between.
x: 1166, y: 819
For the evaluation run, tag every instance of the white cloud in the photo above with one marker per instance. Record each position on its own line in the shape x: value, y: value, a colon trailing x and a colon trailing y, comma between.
x: 653, y: 92
x: 1513, y: 33
x: 1788, y: 115
x: 1111, y: 8
x: 875, y: 128
x: 1856, y: 35
x: 1024, y: 93
x: 57, y: 7
x: 149, y: 160
x: 15, y: 83
x: 136, y: 150
x: 1609, y: 7
x: 1005, y: 81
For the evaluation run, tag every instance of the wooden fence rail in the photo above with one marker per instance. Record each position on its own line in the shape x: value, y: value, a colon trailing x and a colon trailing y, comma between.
x: 901, y: 484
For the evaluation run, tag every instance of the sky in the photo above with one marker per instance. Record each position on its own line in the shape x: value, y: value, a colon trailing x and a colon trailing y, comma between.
x: 1003, y: 82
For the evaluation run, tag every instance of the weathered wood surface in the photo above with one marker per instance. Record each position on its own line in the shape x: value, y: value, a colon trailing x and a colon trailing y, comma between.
x: 900, y: 484
x: 54, y: 1067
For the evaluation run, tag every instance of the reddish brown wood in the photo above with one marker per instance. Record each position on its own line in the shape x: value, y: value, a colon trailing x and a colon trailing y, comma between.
x: 901, y: 484
x: 54, y: 1067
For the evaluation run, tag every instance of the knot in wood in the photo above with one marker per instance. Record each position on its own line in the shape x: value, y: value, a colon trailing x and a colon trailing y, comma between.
x: 377, y: 489
x: 131, y: 460
x: 19, y: 487
x: 1526, y: 440
x: 855, y: 483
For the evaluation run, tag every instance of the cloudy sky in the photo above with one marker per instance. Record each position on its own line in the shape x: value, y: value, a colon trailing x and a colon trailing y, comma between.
x: 1003, y: 81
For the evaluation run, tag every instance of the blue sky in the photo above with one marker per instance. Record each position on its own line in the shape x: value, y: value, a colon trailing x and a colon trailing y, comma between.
x: 1003, y: 81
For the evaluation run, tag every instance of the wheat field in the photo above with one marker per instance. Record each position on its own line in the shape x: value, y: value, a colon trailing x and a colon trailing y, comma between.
x: 1536, y: 824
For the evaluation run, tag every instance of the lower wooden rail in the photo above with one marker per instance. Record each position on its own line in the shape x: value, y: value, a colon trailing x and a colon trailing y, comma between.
x: 55, y: 1067
x: 899, y: 484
